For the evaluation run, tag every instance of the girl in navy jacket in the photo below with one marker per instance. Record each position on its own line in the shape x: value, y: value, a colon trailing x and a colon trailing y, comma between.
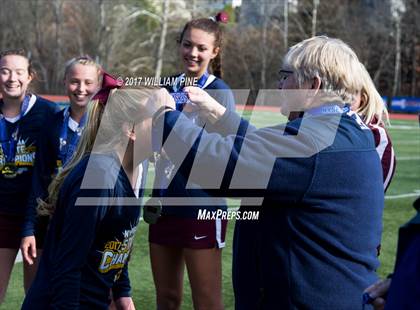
x: 22, y: 117
x: 94, y: 210
x: 179, y: 238
x: 82, y: 77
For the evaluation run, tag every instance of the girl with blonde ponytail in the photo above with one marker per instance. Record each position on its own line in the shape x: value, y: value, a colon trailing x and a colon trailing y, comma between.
x: 372, y: 109
x: 94, y: 209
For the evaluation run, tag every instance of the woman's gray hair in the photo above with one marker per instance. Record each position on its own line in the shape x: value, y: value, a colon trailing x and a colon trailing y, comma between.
x: 329, y: 59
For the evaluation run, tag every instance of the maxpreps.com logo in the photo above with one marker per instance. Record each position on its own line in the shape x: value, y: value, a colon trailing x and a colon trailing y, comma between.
x: 116, y: 253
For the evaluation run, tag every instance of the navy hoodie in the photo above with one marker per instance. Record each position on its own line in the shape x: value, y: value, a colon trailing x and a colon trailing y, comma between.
x: 88, y: 244
x: 14, y: 192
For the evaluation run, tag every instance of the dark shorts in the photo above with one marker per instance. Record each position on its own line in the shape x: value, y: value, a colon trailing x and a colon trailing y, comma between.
x: 11, y: 231
x: 188, y: 232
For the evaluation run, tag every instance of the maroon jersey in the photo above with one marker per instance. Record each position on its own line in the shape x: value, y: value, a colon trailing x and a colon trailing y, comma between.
x: 385, y: 151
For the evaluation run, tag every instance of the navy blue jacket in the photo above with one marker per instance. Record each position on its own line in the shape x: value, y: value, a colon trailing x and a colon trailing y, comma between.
x: 179, y: 185
x: 404, y: 292
x: 14, y: 192
x: 314, y: 245
x: 88, y: 245
x: 46, y: 166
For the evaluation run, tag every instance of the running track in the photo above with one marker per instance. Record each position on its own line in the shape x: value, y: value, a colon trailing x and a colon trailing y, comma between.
x: 396, y: 116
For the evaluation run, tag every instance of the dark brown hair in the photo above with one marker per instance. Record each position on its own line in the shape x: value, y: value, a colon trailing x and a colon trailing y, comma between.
x: 210, y: 26
x: 23, y: 53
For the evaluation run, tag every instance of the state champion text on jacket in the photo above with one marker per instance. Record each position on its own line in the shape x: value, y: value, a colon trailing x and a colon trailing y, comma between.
x: 14, y: 191
x: 88, y: 245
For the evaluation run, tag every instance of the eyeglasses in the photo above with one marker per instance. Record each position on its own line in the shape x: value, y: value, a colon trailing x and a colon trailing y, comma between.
x: 284, y: 74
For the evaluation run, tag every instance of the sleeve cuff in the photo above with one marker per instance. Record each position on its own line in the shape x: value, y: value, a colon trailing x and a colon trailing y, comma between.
x: 27, y: 233
x: 118, y: 293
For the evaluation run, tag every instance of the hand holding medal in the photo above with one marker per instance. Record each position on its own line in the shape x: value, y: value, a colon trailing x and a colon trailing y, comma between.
x: 9, y: 141
x: 207, y: 106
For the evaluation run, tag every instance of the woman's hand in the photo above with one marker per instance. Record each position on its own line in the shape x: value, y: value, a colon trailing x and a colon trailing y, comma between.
x: 378, y: 292
x: 124, y: 303
x: 28, y: 248
x: 156, y: 99
x: 207, y: 106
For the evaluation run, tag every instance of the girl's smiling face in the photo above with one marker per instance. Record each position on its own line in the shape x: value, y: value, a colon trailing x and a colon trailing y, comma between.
x: 81, y: 82
x: 14, y: 76
x: 197, y: 50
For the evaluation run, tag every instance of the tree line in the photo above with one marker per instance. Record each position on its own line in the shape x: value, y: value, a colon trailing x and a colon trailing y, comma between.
x: 139, y: 37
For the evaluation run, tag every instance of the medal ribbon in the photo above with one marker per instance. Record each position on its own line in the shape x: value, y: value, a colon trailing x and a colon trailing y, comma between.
x: 9, y: 141
x: 179, y: 85
x: 166, y: 165
x: 67, y: 148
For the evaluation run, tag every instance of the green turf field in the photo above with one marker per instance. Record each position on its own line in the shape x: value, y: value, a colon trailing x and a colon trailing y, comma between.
x: 406, y: 139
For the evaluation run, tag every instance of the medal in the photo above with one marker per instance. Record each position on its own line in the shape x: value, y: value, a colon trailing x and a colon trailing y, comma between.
x: 168, y: 170
x: 62, y: 143
x: 9, y: 141
x: 59, y: 167
x: 9, y: 170
x: 152, y: 210
x: 181, y: 99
